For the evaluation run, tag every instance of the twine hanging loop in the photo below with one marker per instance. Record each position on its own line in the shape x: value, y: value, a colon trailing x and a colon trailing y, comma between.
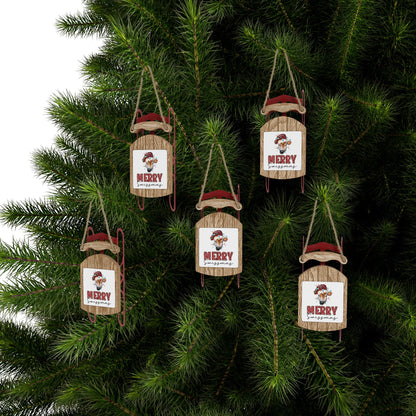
x: 84, y: 247
x: 302, y: 109
x: 302, y: 259
x: 165, y: 126
x: 238, y: 206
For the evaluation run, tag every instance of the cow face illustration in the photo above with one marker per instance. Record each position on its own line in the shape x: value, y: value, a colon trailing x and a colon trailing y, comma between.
x: 218, y: 239
x: 99, y: 280
x: 149, y: 161
x: 322, y: 292
x: 282, y: 142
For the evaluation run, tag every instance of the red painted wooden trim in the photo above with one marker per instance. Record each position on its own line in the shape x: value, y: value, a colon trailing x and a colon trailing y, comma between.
x: 283, y: 99
x: 101, y: 237
x: 151, y: 117
x: 217, y: 194
x: 322, y: 247
x: 122, y: 264
x: 267, y: 184
x: 173, y: 206
x: 141, y: 207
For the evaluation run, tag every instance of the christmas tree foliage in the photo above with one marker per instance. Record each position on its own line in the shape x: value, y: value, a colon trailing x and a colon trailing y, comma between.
x: 221, y: 350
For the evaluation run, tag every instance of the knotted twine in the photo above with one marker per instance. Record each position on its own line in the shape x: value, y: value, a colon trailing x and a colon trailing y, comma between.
x: 343, y: 258
x: 302, y: 109
x: 114, y: 249
x: 238, y: 204
x: 165, y: 125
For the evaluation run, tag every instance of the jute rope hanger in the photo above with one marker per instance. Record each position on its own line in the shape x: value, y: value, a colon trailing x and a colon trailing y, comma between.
x: 344, y: 260
x: 114, y: 248
x: 165, y: 127
x: 302, y: 109
x: 239, y: 206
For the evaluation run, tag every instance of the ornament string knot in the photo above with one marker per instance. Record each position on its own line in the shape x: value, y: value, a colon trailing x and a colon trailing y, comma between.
x: 199, y: 206
x: 165, y: 126
x: 301, y: 109
x: 334, y: 256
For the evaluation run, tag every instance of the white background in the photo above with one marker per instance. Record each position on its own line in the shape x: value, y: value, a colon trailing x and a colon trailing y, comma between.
x: 36, y: 62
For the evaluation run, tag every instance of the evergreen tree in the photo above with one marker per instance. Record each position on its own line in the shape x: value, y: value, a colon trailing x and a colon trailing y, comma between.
x: 220, y: 350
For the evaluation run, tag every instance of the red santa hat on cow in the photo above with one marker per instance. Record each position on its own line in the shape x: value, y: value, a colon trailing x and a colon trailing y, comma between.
x: 280, y: 137
x: 319, y: 288
x: 97, y: 274
x: 147, y: 155
x: 217, y: 233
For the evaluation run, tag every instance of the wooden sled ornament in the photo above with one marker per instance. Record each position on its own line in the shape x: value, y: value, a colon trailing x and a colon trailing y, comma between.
x: 219, y: 236
x: 283, y: 141
x: 322, y: 296
x: 219, y: 242
x: 103, y: 277
x: 152, y: 158
x: 322, y: 290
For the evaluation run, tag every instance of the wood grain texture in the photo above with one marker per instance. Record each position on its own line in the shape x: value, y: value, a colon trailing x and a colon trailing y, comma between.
x: 153, y: 142
x: 321, y: 256
x: 151, y: 126
x: 100, y: 246
x: 219, y: 220
x: 219, y: 204
x: 103, y: 262
x: 283, y: 124
x: 322, y: 274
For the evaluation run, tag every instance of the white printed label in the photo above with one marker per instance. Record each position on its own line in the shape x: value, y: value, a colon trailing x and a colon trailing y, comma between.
x: 218, y: 247
x: 282, y: 150
x: 99, y: 287
x: 150, y: 169
x: 322, y: 301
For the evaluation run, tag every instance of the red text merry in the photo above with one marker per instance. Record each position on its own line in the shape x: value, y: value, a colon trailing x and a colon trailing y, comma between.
x: 91, y: 294
x: 282, y: 158
x: 321, y: 310
x: 216, y: 255
x: 149, y: 177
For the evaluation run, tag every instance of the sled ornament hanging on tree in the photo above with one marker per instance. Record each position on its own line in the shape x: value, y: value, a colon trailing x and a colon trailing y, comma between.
x: 219, y: 236
x: 283, y: 139
x: 152, y: 158
x: 322, y: 296
x: 102, y: 277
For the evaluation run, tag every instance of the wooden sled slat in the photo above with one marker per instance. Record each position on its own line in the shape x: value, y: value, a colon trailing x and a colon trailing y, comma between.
x: 322, y: 256
x: 100, y: 246
x: 219, y: 204
x: 151, y: 126
x: 283, y: 108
